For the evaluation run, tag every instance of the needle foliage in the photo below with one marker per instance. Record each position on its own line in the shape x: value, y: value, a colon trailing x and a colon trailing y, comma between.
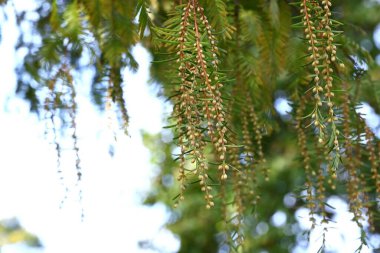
x: 223, y: 64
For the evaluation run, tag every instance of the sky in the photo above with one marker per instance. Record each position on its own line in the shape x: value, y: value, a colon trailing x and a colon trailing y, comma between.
x: 113, y: 186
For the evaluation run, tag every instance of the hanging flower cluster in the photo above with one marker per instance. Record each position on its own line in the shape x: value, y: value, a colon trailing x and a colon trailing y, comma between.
x: 199, y: 110
x: 335, y: 124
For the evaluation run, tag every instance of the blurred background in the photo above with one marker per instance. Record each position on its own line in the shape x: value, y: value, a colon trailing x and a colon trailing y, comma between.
x: 125, y: 200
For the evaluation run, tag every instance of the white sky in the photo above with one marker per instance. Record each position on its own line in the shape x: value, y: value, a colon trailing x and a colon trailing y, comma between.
x: 112, y: 187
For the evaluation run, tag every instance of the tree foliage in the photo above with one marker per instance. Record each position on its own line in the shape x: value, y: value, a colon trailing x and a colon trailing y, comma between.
x: 11, y: 232
x: 222, y: 64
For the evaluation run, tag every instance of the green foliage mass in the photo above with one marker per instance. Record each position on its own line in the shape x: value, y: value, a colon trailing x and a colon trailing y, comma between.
x: 11, y: 232
x: 223, y: 64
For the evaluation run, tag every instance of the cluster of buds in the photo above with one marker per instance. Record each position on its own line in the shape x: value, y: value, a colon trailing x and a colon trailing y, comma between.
x: 355, y: 184
x: 250, y: 178
x: 214, y: 107
x: 314, y: 51
x: 116, y: 97
x: 373, y: 159
x: 320, y: 38
x: 72, y: 106
x: 310, y: 198
x: 258, y: 138
x: 329, y: 56
x: 61, y: 97
x: 199, y: 111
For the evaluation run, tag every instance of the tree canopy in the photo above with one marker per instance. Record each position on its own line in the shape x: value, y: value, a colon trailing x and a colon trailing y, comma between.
x: 224, y: 64
x: 11, y: 232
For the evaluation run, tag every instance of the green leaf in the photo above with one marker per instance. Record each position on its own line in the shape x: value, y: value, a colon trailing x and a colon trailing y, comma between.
x: 73, y: 20
x: 54, y: 17
x: 144, y: 19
